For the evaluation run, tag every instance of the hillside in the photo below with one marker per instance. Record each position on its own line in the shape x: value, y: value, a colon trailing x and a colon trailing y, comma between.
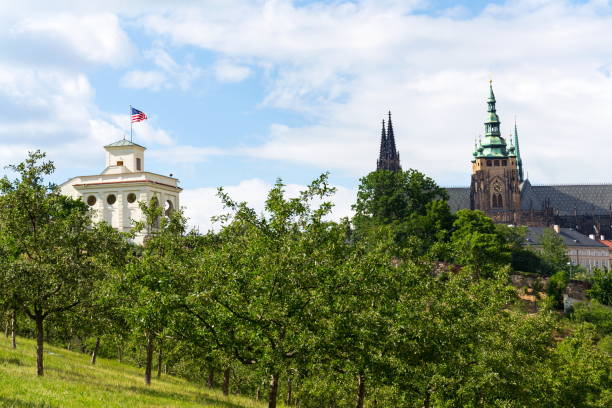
x: 70, y: 381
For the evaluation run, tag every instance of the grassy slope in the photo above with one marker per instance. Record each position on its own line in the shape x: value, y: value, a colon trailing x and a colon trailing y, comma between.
x: 70, y: 381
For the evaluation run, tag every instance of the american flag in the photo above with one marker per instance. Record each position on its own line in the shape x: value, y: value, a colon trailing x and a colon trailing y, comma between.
x: 138, y: 116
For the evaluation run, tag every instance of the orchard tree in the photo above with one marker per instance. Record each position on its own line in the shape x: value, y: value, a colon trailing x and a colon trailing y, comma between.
x: 258, y: 289
x: 55, y: 269
x: 150, y: 281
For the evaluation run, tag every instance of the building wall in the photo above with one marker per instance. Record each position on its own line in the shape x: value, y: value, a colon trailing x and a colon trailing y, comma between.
x: 495, y: 186
x: 590, y: 258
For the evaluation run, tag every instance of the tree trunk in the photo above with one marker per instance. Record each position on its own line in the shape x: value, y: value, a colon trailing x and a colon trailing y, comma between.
x: 149, y: 362
x: 6, y: 327
x: 426, y: 402
x: 39, y: 344
x: 360, y: 390
x: 272, y: 397
x: 119, y: 353
x: 159, y: 360
x: 289, y: 392
x: 226, y: 381
x: 94, y: 353
x: 210, y: 382
x: 14, y: 329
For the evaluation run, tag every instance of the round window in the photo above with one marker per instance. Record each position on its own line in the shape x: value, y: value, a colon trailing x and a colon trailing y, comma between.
x: 131, y: 198
x: 91, y: 200
x: 111, y: 199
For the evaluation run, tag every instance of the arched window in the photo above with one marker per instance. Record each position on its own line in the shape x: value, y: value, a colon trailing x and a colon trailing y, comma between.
x: 497, y: 201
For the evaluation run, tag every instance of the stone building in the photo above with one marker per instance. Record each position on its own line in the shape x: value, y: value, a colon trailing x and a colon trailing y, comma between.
x: 499, y: 188
x: 582, y: 250
x: 114, y: 194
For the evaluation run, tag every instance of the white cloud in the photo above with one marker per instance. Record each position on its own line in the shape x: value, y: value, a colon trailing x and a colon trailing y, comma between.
x: 138, y: 79
x: 226, y: 71
x: 202, y: 203
x: 169, y: 74
x: 96, y: 37
x: 345, y: 63
x: 185, y: 154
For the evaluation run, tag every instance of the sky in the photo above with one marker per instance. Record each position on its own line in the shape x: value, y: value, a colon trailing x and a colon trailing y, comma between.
x: 242, y: 92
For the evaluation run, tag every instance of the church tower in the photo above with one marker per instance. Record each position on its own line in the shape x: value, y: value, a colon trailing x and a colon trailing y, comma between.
x: 495, y: 186
x: 389, y: 158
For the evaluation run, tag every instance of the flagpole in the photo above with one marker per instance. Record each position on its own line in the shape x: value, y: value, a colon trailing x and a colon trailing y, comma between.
x: 130, y: 123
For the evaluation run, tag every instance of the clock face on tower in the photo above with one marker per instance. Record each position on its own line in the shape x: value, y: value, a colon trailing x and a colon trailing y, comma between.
x: 497, y: 187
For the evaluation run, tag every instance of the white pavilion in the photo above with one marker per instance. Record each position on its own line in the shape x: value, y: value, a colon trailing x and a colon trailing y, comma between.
x: 114, y: 194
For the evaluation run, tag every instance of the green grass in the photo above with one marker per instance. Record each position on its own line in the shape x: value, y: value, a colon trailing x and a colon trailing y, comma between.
x: 71, y: 381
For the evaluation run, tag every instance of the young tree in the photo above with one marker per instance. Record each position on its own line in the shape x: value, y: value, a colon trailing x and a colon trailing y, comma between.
x: 257, y: 291
x: 149, y: 283
x: 55, y: 269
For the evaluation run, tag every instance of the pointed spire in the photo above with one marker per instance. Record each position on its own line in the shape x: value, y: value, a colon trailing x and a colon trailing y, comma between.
x: 491, y: 94
x: 517, y: 151
x: 493, y: 144
x: 388, y: 156
x: 383, y: 144
x: 391, y: 137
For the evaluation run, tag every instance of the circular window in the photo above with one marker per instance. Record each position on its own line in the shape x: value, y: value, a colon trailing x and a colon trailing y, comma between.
x: 131, y: 198
x: 91, y: 200
x: 111, y: 199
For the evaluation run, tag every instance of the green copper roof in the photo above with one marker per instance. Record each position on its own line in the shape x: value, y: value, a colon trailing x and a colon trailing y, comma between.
x: 493, y: 144
x: 519, y: 161
x: 122, y: 143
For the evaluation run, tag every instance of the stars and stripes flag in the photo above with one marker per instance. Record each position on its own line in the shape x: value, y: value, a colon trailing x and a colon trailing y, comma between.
x: 138, y: 116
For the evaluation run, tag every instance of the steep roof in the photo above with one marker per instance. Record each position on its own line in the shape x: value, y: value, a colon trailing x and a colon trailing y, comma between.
x: 458, y: 198
x: 585, y: 199
x: 571, y: 237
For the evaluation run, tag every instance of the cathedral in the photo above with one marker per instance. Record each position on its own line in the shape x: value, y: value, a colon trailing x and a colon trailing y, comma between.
x: 499, y: 189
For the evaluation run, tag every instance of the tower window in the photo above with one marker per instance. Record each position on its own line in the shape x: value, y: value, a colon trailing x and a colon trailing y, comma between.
x: 497, y: 201
x: 91, y: 200
x: 488, y: 163
x: 111, y: 199
x: 131, y: 198
x: 138, y: 164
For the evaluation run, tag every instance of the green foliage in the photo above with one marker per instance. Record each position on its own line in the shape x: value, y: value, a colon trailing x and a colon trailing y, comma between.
x: 598, y: 315
x: 412, y: 203
x: 556, y: 287
x: 601, y: 289
x: 580, y: 374
x: 477, y: 244
x: 554, y: 253
x: 56, y: 256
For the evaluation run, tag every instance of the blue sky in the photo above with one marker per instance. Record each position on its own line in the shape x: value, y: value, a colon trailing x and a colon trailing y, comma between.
x: 240, y: 92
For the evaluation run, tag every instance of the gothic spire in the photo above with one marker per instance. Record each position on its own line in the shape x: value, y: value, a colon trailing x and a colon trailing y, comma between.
x: 517, y: 151
x: 388, y: 156
x: 391, y: 137
x: 383, y: 144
